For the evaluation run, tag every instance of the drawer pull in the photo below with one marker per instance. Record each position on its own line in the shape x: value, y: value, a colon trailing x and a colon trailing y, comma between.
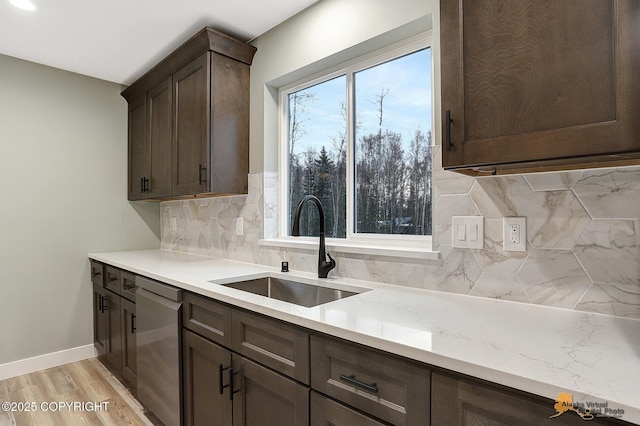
x: 373, y: 387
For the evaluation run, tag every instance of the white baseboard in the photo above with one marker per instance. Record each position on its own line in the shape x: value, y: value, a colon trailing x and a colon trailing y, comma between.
x: 41, y: 362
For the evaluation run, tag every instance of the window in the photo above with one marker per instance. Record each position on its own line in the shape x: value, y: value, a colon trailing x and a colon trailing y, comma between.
x: 359, y: 138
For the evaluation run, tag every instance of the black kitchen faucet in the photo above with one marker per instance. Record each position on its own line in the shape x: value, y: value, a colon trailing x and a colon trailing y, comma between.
x: 323, y: 266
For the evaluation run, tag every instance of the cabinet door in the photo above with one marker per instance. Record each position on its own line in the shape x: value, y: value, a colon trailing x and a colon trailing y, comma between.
x: 190, y: 141
x: 458, y: 401
x: 229, y: 125
x: 138, y: 150
x: 114, y: 330
x: 99, y: 320
x: 205, y: 376
x: 129, y: 358
x: 327, y: 412
x: 531, y: 80
x: 159, y: 110
x: 265, y: 398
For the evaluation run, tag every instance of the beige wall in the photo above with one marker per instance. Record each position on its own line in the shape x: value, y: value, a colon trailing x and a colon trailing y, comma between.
x: 63, y: 159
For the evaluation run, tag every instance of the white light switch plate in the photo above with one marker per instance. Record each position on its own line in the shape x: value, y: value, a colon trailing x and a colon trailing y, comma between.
x: 467, y: 232
x: 514, y: 234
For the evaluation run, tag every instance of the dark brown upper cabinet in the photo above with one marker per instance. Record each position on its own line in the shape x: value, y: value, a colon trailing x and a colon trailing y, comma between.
x: 531, y: 85
x: 189, y: 121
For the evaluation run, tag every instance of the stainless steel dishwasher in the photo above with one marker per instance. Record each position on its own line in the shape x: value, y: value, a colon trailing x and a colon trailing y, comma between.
x: 158, y: 344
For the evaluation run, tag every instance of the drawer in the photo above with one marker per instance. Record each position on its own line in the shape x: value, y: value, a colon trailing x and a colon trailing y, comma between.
x: 97, y: 273
x: 388, y: 387
x: 207, y: 318
x: 281, y: 346
x: 327, y: 412
x: 112, y: 279
x: 128, y: 285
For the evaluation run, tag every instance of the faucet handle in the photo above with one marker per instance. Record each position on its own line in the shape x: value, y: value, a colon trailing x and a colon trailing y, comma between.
x: 325, y: 267
x: 331, y: 261
x: 330, y: 264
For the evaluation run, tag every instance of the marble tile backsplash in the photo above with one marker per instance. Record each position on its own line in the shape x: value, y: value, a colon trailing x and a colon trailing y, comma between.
x: 583, y: 231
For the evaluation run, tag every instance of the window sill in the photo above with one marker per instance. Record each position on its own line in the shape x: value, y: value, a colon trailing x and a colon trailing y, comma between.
x: 411, y: 251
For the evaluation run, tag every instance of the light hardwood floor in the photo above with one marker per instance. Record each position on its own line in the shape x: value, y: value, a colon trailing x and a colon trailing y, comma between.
x: 85, y: 381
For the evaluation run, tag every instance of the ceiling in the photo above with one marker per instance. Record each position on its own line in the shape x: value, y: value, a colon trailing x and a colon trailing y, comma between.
x: 119, y: 40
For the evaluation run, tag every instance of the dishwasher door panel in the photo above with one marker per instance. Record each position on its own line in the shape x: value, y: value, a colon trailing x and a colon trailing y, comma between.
x: 158, y: 346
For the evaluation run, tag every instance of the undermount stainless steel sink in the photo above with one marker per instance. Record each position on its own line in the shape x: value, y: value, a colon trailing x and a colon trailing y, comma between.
x: 302, y: 294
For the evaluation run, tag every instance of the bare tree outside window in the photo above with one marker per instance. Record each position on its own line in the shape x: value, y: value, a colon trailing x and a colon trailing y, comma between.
x: 317, y: 154
x: 391, y: 146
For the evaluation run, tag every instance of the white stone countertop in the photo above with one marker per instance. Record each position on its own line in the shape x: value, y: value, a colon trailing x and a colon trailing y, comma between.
x: 538, y: 349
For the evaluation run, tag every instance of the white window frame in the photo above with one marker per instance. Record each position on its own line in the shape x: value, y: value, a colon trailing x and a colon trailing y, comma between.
x: 415, y: 246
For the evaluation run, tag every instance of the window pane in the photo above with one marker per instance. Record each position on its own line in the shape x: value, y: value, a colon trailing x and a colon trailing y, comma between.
x: 393, y: 146
x: 317, y: 155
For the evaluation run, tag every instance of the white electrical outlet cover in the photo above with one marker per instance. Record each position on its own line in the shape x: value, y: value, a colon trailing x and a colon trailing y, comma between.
x: 514, y: 234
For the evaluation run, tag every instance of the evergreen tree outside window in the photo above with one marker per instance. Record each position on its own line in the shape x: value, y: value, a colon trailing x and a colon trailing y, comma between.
x: 360, y: 140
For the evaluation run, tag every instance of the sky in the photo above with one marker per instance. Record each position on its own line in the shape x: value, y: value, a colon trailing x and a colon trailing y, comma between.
x: 406, y: 107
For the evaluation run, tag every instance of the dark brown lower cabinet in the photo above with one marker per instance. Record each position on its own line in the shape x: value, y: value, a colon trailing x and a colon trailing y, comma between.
x: 247, y: 394
x: 114, y: 330
x: 202, y: 362
x: 99, y: 320
x: 129, y: 352
x: 461, y: 401
x: 327, y: 412
x: 244, y: 369
x: 114, y: 311
x: 266, y: 398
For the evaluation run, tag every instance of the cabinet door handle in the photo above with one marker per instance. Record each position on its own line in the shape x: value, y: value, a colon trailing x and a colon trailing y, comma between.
x: 373, y: 387
x: 102, y: 304
x: 447, y: 130
x: 112, y: 279
x: 221, y: 385
x: 201, y: 168
x: 95, y: 274
x: 232, y: 389
x: 133, y: 323
x: 144, y: 184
